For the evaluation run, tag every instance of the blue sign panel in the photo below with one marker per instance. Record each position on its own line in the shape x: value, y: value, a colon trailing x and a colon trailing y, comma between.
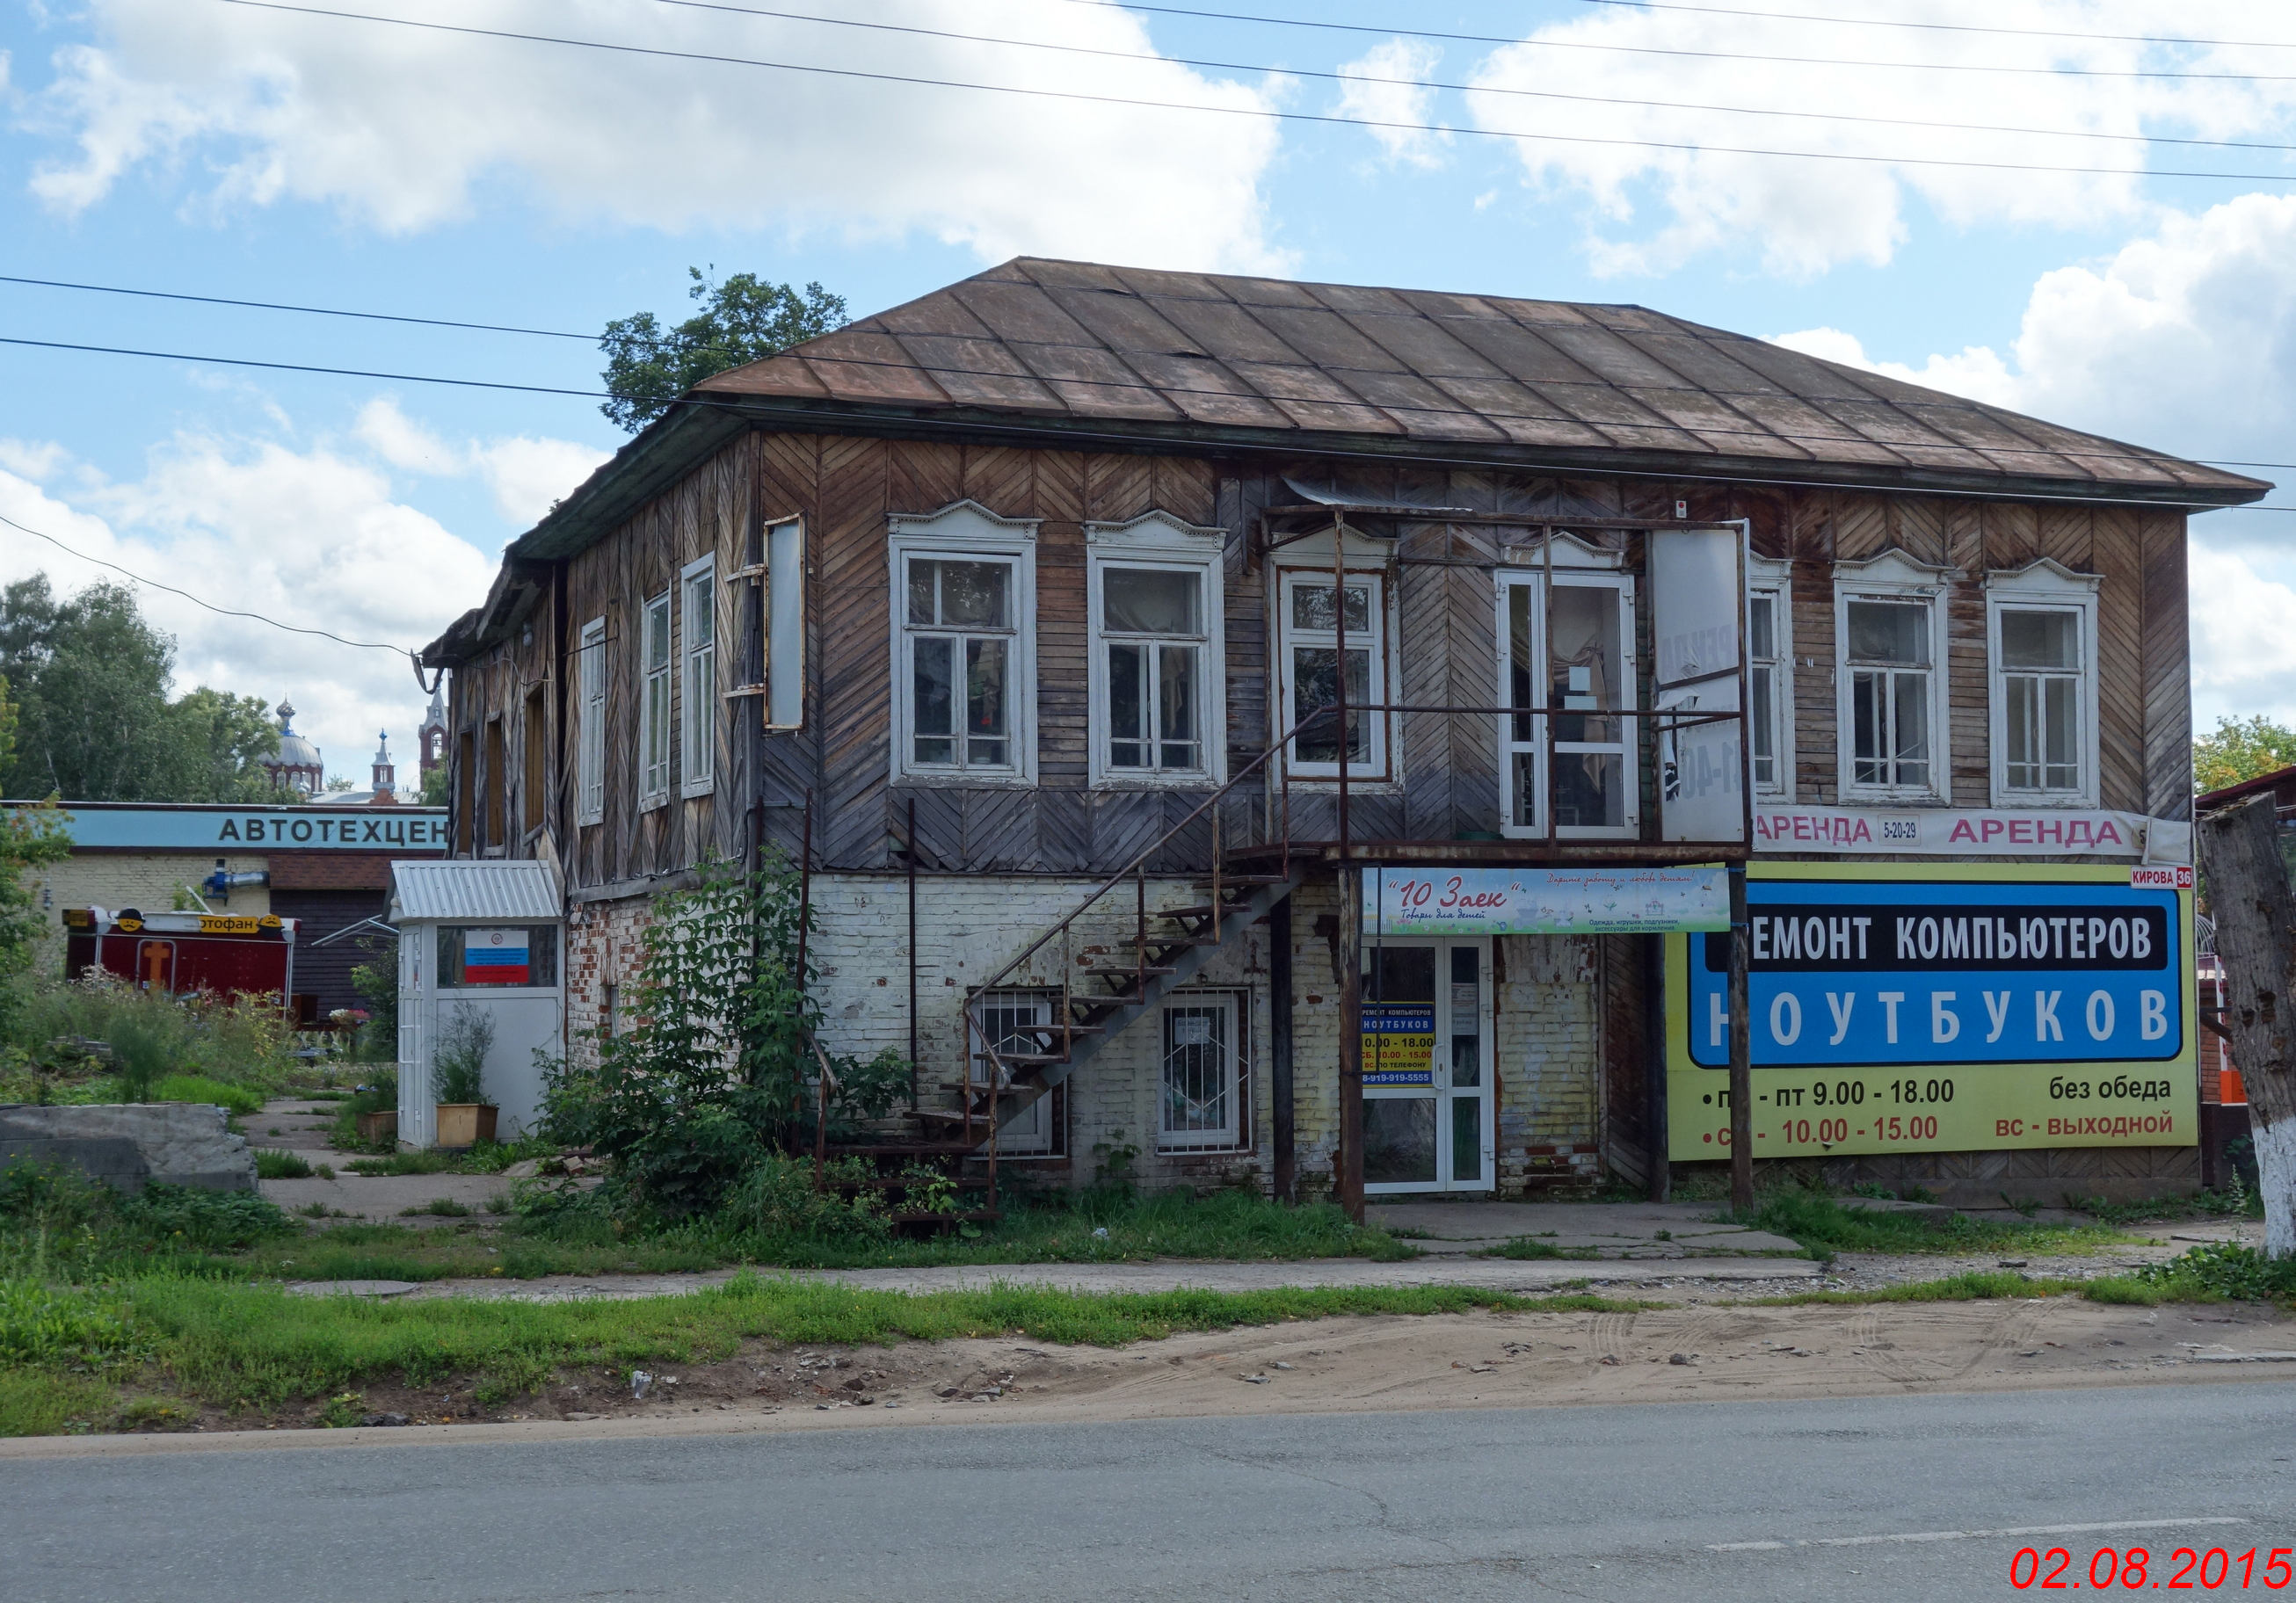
x: 161, y: 828
x: 1871, y: 972
x: 1399, y: 1043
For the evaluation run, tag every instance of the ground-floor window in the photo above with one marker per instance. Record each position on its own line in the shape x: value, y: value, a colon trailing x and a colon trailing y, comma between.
x: 1203, y: 1086
x: 1014, y: 1022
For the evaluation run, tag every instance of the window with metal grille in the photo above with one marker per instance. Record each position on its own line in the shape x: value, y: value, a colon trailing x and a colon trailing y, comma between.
x: 1202, y: 1092
x: 1005, y: 1019
x: 654, y: 704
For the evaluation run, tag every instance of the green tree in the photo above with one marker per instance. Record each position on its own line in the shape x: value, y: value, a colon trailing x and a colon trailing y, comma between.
x: 434, y: 787
x: 31, y: 838
x: 95, y: 723
x: 744, y: 319
x: 2240, y: 748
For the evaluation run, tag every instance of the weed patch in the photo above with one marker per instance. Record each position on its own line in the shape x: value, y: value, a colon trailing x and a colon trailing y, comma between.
x: 36, y: 1404
x: 198, y: 1088
x: 1825, y: 1227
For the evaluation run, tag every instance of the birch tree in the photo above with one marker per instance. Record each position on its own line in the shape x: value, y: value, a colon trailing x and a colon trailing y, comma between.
x: 2256, y: 940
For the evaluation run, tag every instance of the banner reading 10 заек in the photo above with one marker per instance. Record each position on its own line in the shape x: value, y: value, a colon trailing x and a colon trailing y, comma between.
x: 1947, y: 1007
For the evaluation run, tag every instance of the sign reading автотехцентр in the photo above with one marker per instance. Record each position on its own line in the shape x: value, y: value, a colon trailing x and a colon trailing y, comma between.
x: 1944, y: 1007
x: 1544, y: 901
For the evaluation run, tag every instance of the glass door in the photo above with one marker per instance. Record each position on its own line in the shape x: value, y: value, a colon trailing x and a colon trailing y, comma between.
x: 1565, y: 662
x: 1427, y: 1067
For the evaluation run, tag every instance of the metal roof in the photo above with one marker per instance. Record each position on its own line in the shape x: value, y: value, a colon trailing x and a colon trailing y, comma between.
x: 1406, y: 373
x: 480, y: 889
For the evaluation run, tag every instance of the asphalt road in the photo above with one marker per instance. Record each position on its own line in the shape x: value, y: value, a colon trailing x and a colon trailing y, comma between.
x: 1639, y: 1502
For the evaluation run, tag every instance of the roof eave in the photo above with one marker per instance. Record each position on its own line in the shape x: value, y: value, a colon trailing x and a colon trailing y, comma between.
x: 779, y: 412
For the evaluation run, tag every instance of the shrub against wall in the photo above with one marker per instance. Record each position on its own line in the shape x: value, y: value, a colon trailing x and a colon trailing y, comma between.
x: 717, y: 1070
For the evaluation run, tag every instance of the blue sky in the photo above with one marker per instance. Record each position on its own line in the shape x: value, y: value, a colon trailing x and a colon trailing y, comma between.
x: 219, y: 149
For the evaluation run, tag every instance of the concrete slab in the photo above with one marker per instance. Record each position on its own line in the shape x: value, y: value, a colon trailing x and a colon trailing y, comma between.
x: 382, y: 1198
x: 1651, y: 1229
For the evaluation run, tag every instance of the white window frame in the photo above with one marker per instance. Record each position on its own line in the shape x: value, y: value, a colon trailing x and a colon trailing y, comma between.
x: 785, y: 625
x: 2042, y: 585
x: 590, y: 802
x: 1233, y: 1135
x: 966, y: 531
x: 1158, y: 539
x: 1378, y: 766
x: 1590, y: 567
x: 654, y: 721
x: 1892, y: 577
x: 1773, y: 578
x: 697, y: 702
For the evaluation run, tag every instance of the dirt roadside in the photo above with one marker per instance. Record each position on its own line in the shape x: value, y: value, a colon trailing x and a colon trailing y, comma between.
x: 1351, y: 1365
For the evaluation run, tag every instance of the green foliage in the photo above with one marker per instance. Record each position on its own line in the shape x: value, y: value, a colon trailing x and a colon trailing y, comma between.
x: 62, y: 1325
x: 31, y: 838
x: 2240, y: 748
x: 435, y: 792
x: 775, y: 1201
x: 1824, y: 1227
x: 2220, y: 1270
x: 41, y: 1403
x: 94, y: 724
x: 743, y: 319
x: 147, y: 1038
x: 718, y: 1067
x: 440, y: 1207
x: 57, y: 1225
x: 376, y: 981
x: 198, y: 1088
x: 272, y: 1162
x: 459, y: 1060
x: 341, y: 1411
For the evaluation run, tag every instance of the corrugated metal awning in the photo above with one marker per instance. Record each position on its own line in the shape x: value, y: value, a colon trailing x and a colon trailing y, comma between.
x: 524, y: 889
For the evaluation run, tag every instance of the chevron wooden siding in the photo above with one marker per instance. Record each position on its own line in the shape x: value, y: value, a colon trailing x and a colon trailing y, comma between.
x: 846, y: 488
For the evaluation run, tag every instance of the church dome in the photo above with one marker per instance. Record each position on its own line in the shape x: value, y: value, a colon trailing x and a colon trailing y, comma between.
x: 297, y: 765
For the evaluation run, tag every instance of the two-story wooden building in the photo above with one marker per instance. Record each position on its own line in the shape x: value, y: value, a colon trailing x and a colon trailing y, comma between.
x: 1054, y: 583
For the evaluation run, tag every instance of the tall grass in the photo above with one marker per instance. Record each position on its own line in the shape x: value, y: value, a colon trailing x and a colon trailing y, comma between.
x: 1826, y: 1226
x: 146, y: 1038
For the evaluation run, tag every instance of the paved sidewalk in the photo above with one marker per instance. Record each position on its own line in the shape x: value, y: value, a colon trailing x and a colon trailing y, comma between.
x: 1628, y: 1230
x: 1745, y: 1276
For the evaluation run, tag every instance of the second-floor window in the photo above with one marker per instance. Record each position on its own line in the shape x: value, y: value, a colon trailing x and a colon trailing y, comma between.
x: 654, y: 703
x: 2042, y: 628
x: 1156, y: 675
x: 1309, y: 621
x: 964, y: 661
x: 1769, y: 653
x: 1889, y: 674
x: 1889, y: 651
x: 698, y: 699
x: 591, y: 759
x: 960, y: 629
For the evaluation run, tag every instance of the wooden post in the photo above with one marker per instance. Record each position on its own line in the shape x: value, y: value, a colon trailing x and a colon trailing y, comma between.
x: 1741, y: 1073
x: 909, y: 853
x: 1350, y: 1186
x: 2256, y: 941
x: 1279, y: 1030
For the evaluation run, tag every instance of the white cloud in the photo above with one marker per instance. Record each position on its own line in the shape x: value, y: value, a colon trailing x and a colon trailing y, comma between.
x: 1802, y: 217
x: 2184, y: 339
x: 317, y: 537
x: 526, y: 474
x: 1399, y: 65
x: 400, y: 128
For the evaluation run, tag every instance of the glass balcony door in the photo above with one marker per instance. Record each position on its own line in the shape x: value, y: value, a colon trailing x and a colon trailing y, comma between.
x: 1564, y: 664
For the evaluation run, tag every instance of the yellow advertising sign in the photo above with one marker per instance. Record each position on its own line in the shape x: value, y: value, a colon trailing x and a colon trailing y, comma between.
x: 1943, y: 1008
x: 225, y: 924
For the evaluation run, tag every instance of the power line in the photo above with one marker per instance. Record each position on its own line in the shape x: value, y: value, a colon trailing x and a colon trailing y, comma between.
x: 1263, y: 114
x: 2018, y: 33
x: 1698, y: 431
x: 274, y: 306
x: 1437, y: 84
x: 364, y: 645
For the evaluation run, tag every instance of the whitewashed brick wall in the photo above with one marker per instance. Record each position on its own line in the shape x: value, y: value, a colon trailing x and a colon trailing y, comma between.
x: 1548, y: 1037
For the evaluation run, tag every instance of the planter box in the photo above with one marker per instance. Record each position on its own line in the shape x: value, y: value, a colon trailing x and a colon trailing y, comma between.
x: 461, y: 1123
x: 375, y: 1127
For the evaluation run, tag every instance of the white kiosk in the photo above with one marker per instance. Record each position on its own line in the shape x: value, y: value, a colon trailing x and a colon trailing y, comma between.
x: 486, y: 935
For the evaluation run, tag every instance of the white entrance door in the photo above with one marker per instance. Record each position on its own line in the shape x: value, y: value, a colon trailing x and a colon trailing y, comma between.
x: 1427, y: 1067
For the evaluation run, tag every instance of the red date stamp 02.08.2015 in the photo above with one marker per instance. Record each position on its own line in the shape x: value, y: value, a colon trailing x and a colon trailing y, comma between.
x: 2138, y: 1569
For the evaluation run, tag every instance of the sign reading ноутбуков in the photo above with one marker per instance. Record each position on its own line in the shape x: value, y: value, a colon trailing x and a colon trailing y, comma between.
x: 1956, y: 1006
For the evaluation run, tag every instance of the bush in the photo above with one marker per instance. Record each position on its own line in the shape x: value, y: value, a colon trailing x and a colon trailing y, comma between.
x: 719, y: 1070
x: 198, y: 1088
x: 2223, y: 1269
x: 776, y: 1200
x: 59, y: 1037
x: 458, y: 1062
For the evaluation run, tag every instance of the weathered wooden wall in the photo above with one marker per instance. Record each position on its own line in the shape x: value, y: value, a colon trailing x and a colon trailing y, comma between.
x: 845, y: 489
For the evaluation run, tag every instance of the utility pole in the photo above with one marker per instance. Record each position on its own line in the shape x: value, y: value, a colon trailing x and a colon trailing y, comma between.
x: 1741, y: 1036
x: 1350, y: 1186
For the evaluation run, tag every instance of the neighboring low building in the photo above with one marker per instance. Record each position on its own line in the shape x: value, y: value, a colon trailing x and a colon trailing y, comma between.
x: 326, y: 867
